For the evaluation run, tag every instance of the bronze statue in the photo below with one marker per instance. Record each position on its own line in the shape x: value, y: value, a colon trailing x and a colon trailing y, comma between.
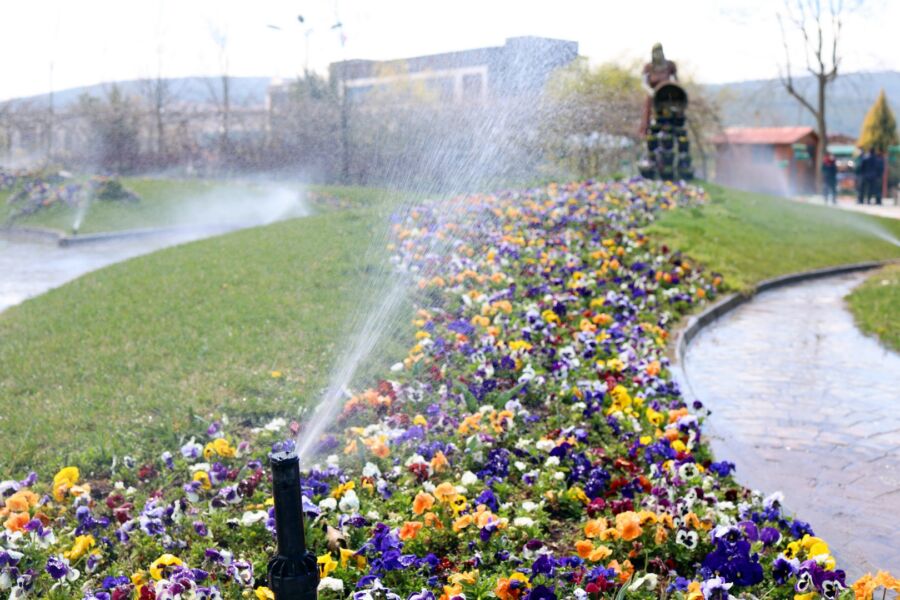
x: 656, y: 72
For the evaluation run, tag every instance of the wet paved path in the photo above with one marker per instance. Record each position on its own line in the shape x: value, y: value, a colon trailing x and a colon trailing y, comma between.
x: 804, y: 403
x: 29, y: 268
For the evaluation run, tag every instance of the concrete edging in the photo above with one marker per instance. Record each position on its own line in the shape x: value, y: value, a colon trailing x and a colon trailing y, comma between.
x: 696, y: 323
x: 63, y: 239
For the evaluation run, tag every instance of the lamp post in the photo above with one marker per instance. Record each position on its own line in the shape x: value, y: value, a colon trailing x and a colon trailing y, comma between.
x: 308, y: 31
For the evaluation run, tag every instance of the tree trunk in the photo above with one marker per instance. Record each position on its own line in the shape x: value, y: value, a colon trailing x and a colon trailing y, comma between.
x: 821, y: 130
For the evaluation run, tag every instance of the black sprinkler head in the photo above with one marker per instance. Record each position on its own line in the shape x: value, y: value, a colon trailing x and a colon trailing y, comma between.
x: 293, y: 573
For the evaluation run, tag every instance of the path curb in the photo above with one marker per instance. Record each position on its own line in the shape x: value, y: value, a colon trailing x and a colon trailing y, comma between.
x: 60, y: 238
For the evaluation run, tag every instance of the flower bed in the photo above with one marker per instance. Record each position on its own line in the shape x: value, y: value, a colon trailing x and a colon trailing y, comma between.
x: 33, y: 192
x: 532, y: 445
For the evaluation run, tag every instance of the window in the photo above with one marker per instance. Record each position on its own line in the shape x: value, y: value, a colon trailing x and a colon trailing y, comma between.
x: 472, y: 86
x: 763, y: 154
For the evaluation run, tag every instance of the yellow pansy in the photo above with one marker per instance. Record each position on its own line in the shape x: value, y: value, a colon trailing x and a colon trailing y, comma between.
x: 264, y: 593
x: 158, y: 566
x: 347, y: 555
x: 342, y: 489
x: 203, y: 478
x: 63, y: 480
x: 82, y: 544
x: 326, y: 564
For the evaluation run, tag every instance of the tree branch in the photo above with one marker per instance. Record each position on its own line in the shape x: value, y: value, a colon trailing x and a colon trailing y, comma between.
x: 786, y: 78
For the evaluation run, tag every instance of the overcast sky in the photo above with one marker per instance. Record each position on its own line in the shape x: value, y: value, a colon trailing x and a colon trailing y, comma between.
x: 92, y: 41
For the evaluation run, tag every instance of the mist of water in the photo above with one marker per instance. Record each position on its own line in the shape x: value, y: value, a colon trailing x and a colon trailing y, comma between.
x: 81, y: 212
x: 240, y: 207
x: 493, y: 151
x: 877, y: 230
x: 864, y: 223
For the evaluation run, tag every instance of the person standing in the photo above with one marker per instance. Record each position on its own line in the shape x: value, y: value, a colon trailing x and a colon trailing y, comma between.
x: 829, y: 178
x: 873, y: 181
x: 862, y: 169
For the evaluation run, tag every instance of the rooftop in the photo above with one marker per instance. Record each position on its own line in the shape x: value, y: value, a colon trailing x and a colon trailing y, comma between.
x: 763, y: 135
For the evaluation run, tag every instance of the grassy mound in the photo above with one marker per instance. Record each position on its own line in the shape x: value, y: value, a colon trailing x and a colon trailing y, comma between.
x: 876, y: 305
x: 120, y: 360
x: 750, y: 237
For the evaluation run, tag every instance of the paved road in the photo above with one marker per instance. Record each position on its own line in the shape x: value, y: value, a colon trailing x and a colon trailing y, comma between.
x: 803, y: 402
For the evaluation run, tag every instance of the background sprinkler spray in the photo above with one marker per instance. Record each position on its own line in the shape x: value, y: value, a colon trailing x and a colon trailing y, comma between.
x: 293, y: 573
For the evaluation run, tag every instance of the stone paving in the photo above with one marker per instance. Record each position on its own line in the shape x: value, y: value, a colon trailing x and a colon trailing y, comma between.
x: 804, y: 403
x: 889, y: 208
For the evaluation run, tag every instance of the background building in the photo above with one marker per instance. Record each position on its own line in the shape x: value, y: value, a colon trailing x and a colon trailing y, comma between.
x: 774, y: 160
x: 521, y: 66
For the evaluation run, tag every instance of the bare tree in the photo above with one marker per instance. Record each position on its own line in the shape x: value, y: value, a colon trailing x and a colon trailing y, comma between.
x: 158, y: 95
x: 821, y: 34
x: 221, y: 95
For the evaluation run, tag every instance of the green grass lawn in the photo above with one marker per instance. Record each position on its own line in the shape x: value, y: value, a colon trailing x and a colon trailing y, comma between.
x: 129, y: 357
x: 876, y: 305
x: 172, y: 203
x: 751, y: 237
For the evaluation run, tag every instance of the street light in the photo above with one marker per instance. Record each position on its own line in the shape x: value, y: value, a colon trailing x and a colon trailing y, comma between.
x: 306, y: 33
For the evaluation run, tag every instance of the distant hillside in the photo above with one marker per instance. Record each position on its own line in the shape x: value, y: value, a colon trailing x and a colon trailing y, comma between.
x: 244, y: 91
x: 764, y: 102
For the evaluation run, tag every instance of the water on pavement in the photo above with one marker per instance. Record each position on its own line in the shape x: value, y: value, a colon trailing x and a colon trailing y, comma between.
x: 29, y: 268
x: 804, y: 403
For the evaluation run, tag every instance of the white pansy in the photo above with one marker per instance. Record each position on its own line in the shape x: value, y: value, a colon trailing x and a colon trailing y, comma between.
x: 647, y: 581
x: 545, y: 445
x: 559, y: 476
x: 349, y: 502
x: 332, y: 584
x: 529, y: 506
x: 469, y: 478
x: 328, y: 504
x: 552, y: 461
x: 522, y: 443
x: 253, y: 516
x: 523, y: 522
x: 415, y: 459
x: 276, y: 424
x: 371, y: 470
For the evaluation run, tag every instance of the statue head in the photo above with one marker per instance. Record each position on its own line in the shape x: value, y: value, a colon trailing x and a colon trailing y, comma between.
x: 657, y: 53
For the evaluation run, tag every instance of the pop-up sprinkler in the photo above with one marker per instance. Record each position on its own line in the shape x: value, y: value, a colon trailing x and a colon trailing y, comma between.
x: 293, y: 573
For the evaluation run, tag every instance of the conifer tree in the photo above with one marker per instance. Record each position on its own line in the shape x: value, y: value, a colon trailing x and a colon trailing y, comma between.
x: 879, y: 130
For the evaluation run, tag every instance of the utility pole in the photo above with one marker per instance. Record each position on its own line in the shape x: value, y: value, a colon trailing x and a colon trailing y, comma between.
x: 50, y: 125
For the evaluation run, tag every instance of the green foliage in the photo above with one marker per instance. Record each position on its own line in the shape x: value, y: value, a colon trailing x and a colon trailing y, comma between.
x: 593, y: 117
x: 751, y: 237
x: 876, y: 305
x: 879, y: 130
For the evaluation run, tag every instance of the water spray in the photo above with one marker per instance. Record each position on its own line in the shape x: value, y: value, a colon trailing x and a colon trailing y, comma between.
x: 293, y: 573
